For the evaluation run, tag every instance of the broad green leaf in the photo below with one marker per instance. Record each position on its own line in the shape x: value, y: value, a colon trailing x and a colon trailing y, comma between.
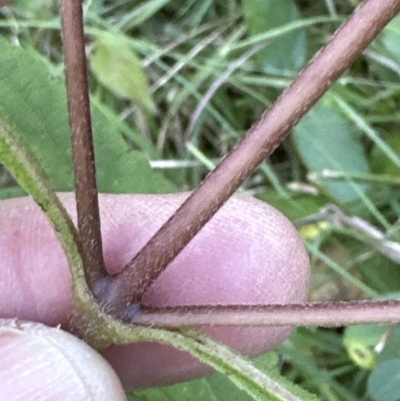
x: 326, y: 142
x: 118, y: 68
x: 285, y: 53
x: 35, y: 101
x: 384, y: 381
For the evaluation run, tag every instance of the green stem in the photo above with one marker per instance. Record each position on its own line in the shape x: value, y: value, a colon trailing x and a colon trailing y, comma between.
x: 26, y: 170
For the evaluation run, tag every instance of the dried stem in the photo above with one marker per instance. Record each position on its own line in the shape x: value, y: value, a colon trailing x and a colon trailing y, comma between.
x: 329, y: 314
x: 347, y: 43
x: 82, y: 142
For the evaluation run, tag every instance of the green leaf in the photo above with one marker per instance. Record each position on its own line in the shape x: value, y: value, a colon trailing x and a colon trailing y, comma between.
x: 118, y: 68
x: 216, y: 388
x: 326, y: 142
x: 287, y: 52
x: 384, y: 381
x: 36, y: 103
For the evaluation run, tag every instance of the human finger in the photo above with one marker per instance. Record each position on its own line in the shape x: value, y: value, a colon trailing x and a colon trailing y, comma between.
x: 249, y: 253
x: 45, y: 364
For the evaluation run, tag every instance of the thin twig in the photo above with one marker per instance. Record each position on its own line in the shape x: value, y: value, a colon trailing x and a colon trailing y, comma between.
x: 346, y: 44
x: 329, y: 314
x: 82, y: 142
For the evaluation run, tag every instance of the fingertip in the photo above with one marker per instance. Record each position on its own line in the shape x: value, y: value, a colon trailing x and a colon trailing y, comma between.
x: 42, y: 363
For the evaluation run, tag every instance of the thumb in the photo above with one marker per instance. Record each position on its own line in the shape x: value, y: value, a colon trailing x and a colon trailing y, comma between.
x: 42, y: 363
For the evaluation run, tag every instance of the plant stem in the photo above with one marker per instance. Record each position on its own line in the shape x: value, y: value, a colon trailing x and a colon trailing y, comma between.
x: 346, y: 44
x: 82, y: 141
x: 329, y: 314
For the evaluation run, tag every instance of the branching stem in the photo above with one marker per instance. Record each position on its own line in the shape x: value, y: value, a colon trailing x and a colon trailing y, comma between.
x: 82, y: 142
x: 346, y: 44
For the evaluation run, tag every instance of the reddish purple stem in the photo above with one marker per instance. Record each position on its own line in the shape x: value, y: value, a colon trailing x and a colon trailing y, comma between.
x: 82, y: 142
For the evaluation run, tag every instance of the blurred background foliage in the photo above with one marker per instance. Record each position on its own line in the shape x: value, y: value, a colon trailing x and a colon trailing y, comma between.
x: 175, y: 85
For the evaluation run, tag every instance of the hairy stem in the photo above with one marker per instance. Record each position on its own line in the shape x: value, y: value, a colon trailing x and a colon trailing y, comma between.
x: 346, y: 44
x: 82, y: 141
x: 329, y: 314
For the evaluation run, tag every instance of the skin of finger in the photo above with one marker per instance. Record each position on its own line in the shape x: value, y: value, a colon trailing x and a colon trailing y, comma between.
x: 249, y: 253
x: 44, y: 364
